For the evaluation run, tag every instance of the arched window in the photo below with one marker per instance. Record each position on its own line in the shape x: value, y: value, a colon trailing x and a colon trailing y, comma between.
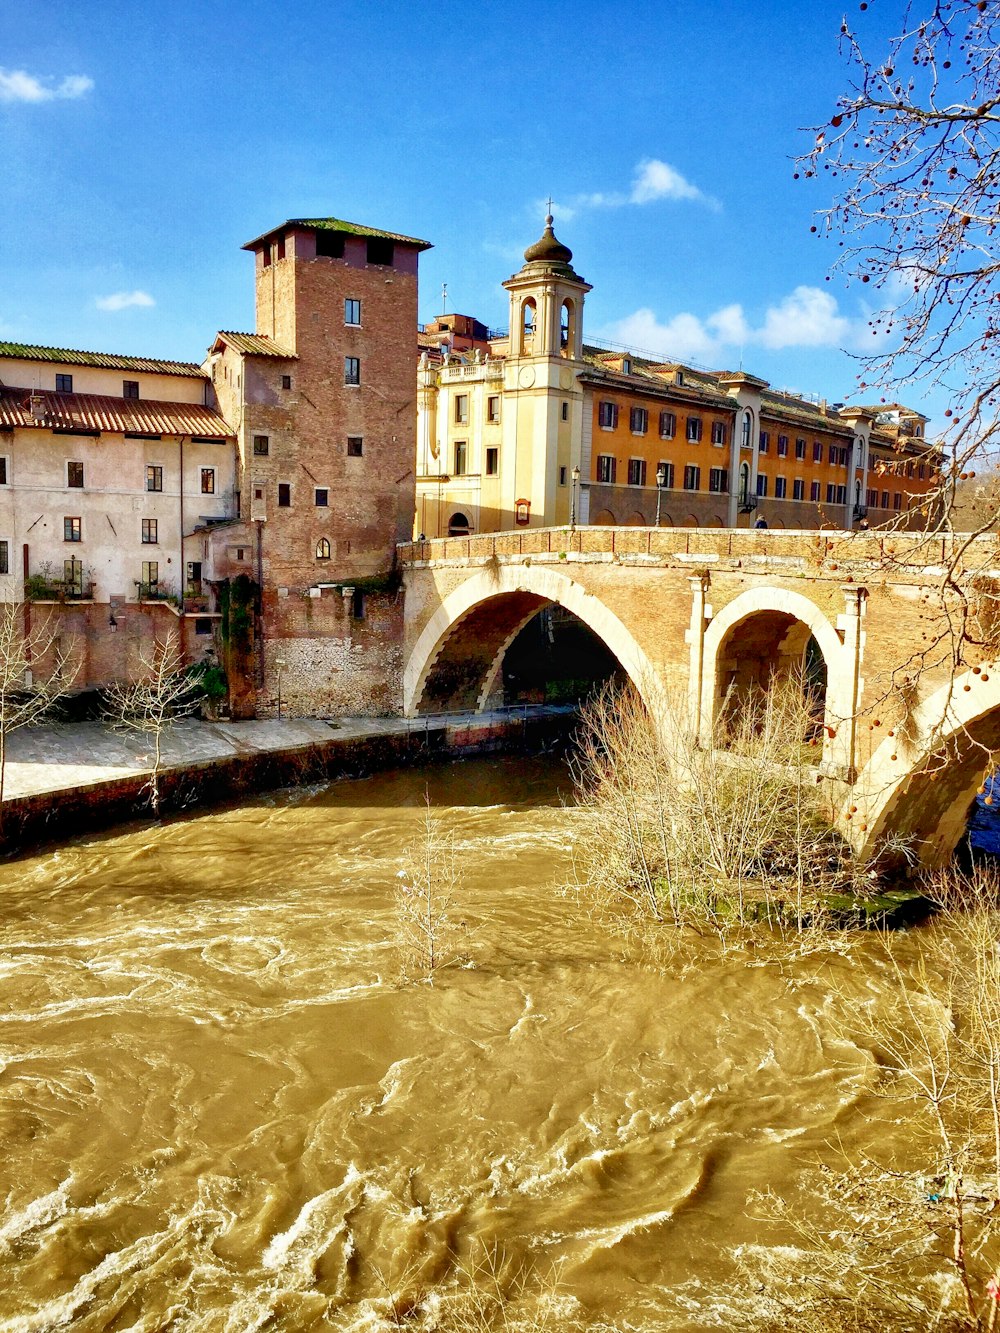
x: 857, y: 494
x: 859, y: 452
x: 747, y: 429
x: 744, y: 487
x: 323, y: 549
x: 458, y: 526
x: 566, y: 327
x: 528, y: 324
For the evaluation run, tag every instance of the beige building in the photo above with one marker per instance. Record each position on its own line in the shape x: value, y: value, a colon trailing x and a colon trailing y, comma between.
x: 539, y: 429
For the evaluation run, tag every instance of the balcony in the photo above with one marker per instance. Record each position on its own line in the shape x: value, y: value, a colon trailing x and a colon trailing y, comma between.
x: 747, y: 503
x: 153, y: 592
x: 42, y: 588
x: 860, y: 511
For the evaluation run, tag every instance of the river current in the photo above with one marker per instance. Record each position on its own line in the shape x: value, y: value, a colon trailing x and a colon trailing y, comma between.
x: 220, y: 1109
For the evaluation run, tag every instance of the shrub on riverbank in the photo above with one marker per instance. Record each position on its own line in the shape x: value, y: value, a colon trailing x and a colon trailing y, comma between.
x: 712, y: 836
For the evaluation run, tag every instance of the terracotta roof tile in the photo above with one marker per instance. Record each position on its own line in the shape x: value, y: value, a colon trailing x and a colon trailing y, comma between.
x: 89, y: 411
x: 254, y: 344
x: 102, y: 360
x: 337, y: 224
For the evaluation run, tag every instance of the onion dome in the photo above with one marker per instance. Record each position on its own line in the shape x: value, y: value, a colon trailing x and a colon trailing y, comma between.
x: 547, y: 249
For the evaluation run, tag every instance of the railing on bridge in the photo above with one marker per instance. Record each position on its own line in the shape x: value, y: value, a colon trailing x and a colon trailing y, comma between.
x: 895, y: 548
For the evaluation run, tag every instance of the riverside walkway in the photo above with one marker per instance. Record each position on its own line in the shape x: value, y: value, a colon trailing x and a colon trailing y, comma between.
x: 65, y: 778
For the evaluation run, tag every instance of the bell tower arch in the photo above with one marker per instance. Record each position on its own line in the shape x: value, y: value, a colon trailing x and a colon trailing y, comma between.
x: 543, y: 430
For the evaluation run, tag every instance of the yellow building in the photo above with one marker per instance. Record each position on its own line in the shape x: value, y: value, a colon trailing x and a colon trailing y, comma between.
x: 536, y: 428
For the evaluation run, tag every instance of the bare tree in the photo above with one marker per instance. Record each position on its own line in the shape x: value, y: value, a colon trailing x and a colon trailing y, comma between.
x: 907, y: 1240
x: 915, y: 147
x: 26, y: 696
x: 153, y: 704
x: 425, y: 901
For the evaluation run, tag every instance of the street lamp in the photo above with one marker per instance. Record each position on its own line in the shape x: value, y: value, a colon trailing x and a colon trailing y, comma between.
x: 661, y: 477
x: 575, y: 474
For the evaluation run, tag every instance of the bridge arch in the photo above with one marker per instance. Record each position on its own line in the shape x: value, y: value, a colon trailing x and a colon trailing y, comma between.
x: 787, y: 616
x: 498, y: 603
x: 920, y: 783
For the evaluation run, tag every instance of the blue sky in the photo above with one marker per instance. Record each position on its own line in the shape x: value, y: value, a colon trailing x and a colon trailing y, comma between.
x: 142, y: 145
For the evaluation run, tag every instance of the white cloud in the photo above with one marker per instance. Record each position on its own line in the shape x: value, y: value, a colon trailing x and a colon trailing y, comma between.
x: 122, y: 300
x: 17, y: 85
x: 806, y: 317
x: 654, y: 180
x: 659, y: 180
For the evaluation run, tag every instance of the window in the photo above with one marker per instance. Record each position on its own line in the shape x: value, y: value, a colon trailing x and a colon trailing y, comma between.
x: 667, y: 469
x: 626, y: 366
x: 130, y: 388
x: 747, y: 429
x: 831, y: 493
x: 72, y: 529
x: 885, y: 500
x: 897, y: 500
x: 202, y: 625
x: 492, y: 462
x: 73, y: 577
x: 3, y: 470
x: 562, y: 476
x: 461, y: 408
x: 208, y: 481
x: 607, y: 467
x: 800, y: 449
x: 261, y: 445
x: 149, y: 531
x: 780, y: 487
x: 841, y: 495
x: 718, y: 432
x: 74, y: 475
x: 921, y: 472
x: 668, y: 425
x: 330, y: 244
x: 460, y: 458
x: 638, y: 420
x: 352, y: 311
x: 154, y: 477
x: 761, y: 483
x: 150, y: 577
x: 352, y: 370
x: 355, y: 446
x: 782, y: 446
x: 694, y: 429
x: 798, y: 487
x: 814, y: 490
x: 817, y: 451
x: 286, y: 381
x: 718, y: 480
x: 194, y: 578
x: 765, y: 441
x: 284, y: 495
x: 692, y: 477
x: 607, y: 415
x: 493, y: 408
x: 64, y: 384
x: 565, y: 411
x: 323, y: 548
x: 380, y: 250
x: 4, y: 557
x: 322, y: 497
x: 637, y: 472
x: 909, y: 468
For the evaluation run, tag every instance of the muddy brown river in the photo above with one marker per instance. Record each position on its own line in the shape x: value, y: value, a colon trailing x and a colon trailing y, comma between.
x: 221, y: 1111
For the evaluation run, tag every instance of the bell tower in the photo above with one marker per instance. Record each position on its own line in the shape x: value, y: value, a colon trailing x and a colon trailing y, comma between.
x: 542, y: 437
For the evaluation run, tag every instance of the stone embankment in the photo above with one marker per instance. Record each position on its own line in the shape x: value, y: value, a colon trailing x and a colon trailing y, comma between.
x: 63, y: 780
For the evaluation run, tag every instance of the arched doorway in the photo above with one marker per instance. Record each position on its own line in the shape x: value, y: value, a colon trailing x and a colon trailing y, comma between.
x: 458, y: 526
x: 604, y: 518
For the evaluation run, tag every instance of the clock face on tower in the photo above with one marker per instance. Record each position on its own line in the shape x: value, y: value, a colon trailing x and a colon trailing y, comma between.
x: 526, y: 377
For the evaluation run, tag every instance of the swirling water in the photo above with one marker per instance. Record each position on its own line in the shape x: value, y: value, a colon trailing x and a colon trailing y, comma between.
x: 220, y: 1110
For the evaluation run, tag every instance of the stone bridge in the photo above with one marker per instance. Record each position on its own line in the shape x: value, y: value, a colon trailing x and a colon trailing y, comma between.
x: 911, y: 715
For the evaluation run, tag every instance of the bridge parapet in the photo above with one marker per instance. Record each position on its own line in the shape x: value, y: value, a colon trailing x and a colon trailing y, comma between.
x: 905, y: 556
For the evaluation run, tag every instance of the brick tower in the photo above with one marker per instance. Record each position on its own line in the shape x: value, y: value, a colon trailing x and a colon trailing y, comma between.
x: 322, y: 398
